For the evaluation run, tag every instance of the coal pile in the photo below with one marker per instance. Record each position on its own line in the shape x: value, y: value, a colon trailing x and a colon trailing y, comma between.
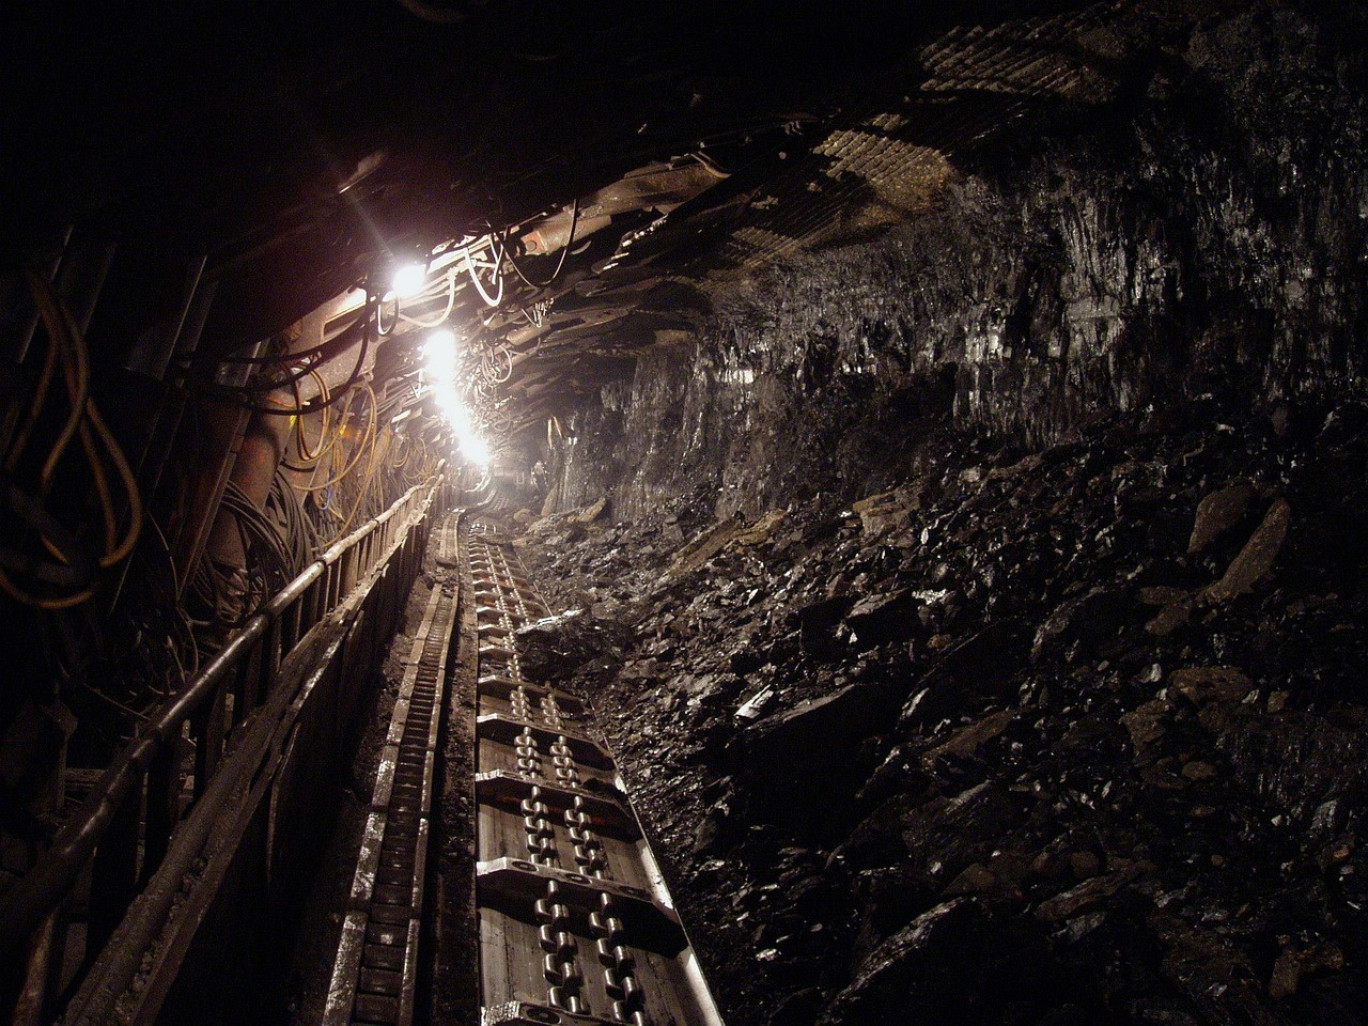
x: 1066, y: 736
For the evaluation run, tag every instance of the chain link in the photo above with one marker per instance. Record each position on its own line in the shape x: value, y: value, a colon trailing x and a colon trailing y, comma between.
x: 508, y: 597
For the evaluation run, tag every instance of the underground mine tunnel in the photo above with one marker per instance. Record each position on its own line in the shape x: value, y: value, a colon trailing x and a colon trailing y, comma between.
x: 746, y: 512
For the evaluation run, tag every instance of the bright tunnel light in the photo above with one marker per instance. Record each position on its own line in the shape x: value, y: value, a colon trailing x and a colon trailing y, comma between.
x: 476, y: 450
x: 439, y: 371
x: 439, y: 355
x: 408, y: 280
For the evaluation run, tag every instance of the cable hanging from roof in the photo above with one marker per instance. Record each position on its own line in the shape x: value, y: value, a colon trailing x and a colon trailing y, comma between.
x: 496, y: 299
x: 419, y: 322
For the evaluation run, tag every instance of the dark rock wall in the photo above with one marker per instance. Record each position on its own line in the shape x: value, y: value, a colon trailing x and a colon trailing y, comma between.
x: 1205, y: 230
x: 1068, y: 724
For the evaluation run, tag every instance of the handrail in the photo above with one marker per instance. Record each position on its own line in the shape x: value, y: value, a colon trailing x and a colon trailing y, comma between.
x: 39, y: 892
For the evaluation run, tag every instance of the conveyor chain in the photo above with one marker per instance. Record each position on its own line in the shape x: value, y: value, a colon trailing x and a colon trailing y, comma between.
x: 576, y: 925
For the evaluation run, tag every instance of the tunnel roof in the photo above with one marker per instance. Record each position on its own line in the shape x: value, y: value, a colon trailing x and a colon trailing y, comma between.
x: 632, y: 161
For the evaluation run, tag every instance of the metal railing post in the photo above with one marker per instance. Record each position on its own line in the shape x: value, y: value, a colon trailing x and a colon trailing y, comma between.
x: 163, y: 805
x: 115, y: 868
x: 208, y: 730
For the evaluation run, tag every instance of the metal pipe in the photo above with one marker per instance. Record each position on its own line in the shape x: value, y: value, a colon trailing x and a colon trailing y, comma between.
x: 259, y: 454
x: 154, y: 356
x: 166, y: 422
x: 227, y: 424
x: 25, y: 337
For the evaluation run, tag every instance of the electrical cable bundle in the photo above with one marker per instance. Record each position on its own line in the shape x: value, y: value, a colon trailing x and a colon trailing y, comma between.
x: 329, y: 493
x: 363, y: 487
x: 286, y: 370
x: 284, y: 509
x: 64, y: 573
x: 327, y: 441
x: 232, y: 594
x: 450, y: 285
x: 337, y: 477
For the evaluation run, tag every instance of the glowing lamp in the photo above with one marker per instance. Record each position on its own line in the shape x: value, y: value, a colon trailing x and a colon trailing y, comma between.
x: 408, y: 280
x: 475, y: 449
x: 440, y: 347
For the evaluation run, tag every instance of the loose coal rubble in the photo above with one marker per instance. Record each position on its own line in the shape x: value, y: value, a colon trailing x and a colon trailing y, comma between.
x: 1069, y: 736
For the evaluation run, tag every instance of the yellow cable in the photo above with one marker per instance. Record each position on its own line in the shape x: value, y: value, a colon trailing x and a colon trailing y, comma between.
x: 62, y: 330
x: 407, y: 447
x: 66, y: 342
x: 301, y: 438
x: 77, y: 387
x: 113, y: 554
x: 338, y: 459
x: 297, y: 421
x: 32, y: 600
x: 370, y: 466
x: 356, y: 453
x: 101, y: 489
x: 326, y: 433
x: 130, y: 484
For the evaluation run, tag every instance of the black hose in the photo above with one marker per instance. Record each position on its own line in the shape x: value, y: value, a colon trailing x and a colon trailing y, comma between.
x: 314, y: 406
x: 570, y: 241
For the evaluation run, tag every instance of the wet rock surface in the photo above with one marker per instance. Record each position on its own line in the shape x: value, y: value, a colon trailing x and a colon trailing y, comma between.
x: 943, y: 767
